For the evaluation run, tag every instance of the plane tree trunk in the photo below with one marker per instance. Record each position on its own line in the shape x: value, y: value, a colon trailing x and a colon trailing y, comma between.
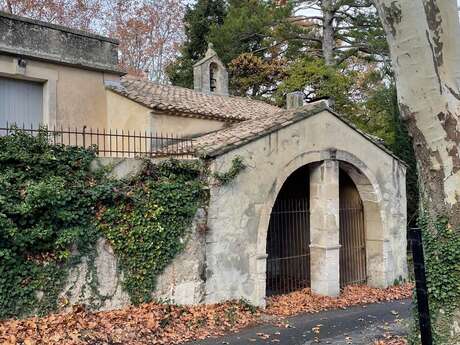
x: 424, y: 41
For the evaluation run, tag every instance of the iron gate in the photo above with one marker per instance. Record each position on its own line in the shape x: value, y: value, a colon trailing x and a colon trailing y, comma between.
x: 352, y: 235
x: 288, y: 240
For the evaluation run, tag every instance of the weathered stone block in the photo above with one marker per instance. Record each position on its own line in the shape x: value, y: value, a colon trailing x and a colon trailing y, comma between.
x: 325, y: 270
x: 43, y: 41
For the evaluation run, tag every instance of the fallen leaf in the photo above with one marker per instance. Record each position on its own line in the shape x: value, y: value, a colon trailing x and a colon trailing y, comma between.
x: 154, y: 323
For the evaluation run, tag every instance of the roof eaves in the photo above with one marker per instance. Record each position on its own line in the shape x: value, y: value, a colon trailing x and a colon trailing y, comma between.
x: 297, y: 116
x: 197, y: 115
x: 121, y: 90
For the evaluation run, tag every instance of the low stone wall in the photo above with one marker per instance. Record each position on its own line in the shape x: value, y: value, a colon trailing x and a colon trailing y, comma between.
x: 455, y: 329
x: 120, y: 168
x: 183, y: 282
x: 97, y: 281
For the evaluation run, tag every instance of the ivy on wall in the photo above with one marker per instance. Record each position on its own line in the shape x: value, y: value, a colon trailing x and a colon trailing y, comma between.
x: 53, y: 205
x: 147, y: 222
x: 441, y: 245
x: 46, y: 206
x: 224, y: 178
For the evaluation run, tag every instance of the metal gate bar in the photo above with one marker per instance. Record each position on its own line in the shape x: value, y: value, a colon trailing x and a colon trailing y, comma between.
x: 288, y: 240
x: 353, y: 242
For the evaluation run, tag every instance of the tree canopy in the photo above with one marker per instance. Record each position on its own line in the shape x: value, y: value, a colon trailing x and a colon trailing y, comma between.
x: 198, y: 20
x: 272, y: 48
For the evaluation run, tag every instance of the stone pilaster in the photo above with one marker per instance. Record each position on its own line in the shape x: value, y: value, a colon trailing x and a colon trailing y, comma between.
x: 324, y: 228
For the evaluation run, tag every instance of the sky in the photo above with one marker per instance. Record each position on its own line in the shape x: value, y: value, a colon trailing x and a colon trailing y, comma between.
x: 310, y: 12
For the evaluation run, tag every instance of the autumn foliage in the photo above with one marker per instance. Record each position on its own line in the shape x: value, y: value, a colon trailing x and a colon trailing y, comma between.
x: 147, y: 324
x: 77, y: 14
x: 391, y: 341
x: 304, y: 301
x: 155, y: 323
x: 149, y: 32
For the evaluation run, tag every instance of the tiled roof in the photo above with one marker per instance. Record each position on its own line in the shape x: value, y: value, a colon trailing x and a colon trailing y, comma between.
x: 221, y: 141
x: 227, y: 139
x: 186, y: 102
x: 253, y: 119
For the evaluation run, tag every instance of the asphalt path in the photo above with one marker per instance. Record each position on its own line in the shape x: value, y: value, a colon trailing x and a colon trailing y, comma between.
x: 360, y: 325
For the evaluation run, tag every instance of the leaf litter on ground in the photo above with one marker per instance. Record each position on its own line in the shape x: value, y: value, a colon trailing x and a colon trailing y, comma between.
x: 303, y: 301
x: 391, y: 340
x: 156, y: 323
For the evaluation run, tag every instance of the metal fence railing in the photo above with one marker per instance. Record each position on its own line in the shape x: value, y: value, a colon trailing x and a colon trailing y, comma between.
x: 352, y: 258
x: 288, y: 247
x: 113, y: 143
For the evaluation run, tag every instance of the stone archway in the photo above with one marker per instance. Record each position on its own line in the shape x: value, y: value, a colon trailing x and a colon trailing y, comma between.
x: 352, y: 233
x: 326, y: 248
x: 377, y: 240
x: 288, y: 238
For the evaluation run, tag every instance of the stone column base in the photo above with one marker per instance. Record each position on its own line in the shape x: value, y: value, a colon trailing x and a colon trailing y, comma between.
x: 325, y: 274
x: 379, y: 262
x: 258, y: 298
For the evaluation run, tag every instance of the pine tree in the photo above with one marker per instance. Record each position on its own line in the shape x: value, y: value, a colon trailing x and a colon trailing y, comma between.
x: 249, y: 27
x: 198, y: 20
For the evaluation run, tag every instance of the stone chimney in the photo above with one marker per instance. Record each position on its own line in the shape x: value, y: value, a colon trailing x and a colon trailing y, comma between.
x: 294, y: 100
x: 210, y: 75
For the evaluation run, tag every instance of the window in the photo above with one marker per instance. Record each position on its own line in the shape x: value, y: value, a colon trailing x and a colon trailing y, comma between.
x: 213, y: 68
x: 21, y: 102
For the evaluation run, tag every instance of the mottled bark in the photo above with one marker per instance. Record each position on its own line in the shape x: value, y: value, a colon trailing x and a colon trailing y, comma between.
x: 423, y: 36
x: 9, y: 6
x: 327, y: 7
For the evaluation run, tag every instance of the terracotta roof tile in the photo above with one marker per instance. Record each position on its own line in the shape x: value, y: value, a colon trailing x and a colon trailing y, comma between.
x: 254, y: 119
x: 218, y: 142
x: 187, y: 102
x: 224, y: 140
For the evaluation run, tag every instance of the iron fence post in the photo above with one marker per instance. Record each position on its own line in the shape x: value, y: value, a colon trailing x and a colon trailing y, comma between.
x: 84, y: 136
x: 415, y: 238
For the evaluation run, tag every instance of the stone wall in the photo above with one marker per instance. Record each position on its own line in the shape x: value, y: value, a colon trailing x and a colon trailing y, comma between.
x: 182, y: 282
x: 35, y: 39
x: 98, y: 281
x: 239, y: 213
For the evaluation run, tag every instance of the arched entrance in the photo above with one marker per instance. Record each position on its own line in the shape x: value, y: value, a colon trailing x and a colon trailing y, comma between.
x: 288, y: 238
x: 352, y: 233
